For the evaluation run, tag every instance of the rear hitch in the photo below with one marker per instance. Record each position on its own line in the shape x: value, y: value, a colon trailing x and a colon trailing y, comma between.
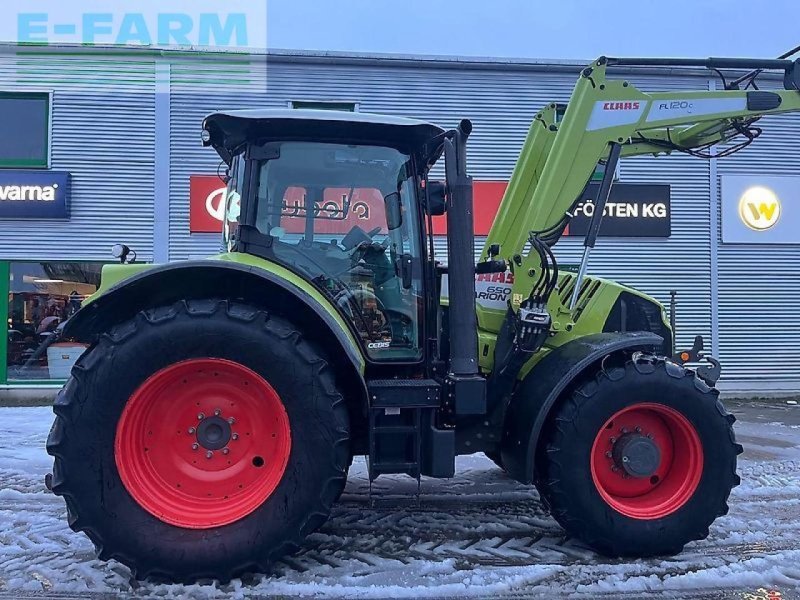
x: 710, y: 372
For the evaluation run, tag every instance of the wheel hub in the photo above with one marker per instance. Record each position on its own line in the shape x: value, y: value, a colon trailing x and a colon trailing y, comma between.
x: 213, y: 433
x: 202, y: 443
x: 636, y: 454
x: 647, y: 460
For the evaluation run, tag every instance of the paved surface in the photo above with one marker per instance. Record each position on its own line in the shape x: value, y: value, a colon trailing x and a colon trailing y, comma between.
x: 478, y: 535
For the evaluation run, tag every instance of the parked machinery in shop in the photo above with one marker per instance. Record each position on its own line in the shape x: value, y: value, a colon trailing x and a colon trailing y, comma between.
x: 209, y: 427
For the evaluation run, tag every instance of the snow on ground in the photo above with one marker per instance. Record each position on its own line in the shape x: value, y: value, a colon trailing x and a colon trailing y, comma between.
x: 478, y: 535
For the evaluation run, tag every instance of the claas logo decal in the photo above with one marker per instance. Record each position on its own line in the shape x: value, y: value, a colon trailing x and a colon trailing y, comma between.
x: 620, y: 106
x: 493, y: 289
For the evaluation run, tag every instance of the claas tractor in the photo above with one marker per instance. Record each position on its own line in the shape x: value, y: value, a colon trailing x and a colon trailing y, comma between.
x: 210, y: 424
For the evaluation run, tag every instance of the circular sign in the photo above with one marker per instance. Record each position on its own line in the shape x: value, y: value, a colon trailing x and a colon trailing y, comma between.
x: 759, y: 208
x: 215, y: 204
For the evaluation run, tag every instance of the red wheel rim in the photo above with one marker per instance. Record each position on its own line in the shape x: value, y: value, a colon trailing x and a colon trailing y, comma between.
x: 202, y: 443
x: 664, y: 485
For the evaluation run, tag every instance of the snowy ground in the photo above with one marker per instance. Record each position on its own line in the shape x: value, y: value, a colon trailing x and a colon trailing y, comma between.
x: 479, y: 535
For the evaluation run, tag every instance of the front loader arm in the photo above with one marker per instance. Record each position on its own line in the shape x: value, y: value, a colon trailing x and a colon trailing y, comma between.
x: 561, y: 154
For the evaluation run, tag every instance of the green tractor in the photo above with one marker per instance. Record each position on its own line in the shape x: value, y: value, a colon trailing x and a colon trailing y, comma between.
x: 209, y: 426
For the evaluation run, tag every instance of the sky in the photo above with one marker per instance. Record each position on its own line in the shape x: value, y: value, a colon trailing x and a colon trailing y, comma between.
x: 556, y: 29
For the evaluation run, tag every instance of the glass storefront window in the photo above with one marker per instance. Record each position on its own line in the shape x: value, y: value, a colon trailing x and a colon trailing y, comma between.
x: 40, y: 297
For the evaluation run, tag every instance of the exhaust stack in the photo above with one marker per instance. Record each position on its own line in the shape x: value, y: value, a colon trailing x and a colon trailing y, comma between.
x: 467, y: 386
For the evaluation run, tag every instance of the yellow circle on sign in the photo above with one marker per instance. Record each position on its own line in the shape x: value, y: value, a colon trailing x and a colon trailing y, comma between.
x: 759, y: 208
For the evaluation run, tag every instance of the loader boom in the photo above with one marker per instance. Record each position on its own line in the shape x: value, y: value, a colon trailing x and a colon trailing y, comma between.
x: 560, y: 154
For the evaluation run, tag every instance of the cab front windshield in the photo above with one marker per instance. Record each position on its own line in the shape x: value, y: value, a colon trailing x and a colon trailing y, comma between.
x: 323, y: 208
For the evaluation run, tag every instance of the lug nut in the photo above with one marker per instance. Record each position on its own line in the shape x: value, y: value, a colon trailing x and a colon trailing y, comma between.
x: 624, y: 430
x: 217, y: 412
x: 638, y: 430
x: 615, y: 468
x: 649, y: 436
x: 612, y: 440
x: 225, y: 450
x: 200, y: 416
x: 608, y: 454
x: 231, y: 420
x: 192, y: 430
x: 234, y: 436
x: 209, y: 454
x: 195, y: 446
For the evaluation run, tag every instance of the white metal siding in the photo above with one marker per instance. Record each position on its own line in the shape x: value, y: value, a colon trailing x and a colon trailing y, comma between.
x: 103, y: 134
x: 759, y: 295
x: 198, y: 89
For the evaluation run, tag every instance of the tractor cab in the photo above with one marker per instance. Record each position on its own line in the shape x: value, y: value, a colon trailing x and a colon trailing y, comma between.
x: 336, y: 198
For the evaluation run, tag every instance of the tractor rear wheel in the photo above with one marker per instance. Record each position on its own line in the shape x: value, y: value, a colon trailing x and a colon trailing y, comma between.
x: 199, y: 441
x: 639, y: 460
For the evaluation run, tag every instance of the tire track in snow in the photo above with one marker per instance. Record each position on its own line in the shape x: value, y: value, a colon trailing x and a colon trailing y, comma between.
x: 480, y: 527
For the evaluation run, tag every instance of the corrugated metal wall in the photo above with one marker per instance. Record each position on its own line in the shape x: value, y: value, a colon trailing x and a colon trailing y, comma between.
x: 759, y: 285
x: 198, y: 88
x: 103, y: 133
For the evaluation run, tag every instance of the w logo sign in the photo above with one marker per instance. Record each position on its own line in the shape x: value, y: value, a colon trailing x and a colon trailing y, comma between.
x: 759, y: 208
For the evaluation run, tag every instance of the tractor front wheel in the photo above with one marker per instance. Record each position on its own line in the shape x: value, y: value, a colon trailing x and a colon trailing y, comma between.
x: 199, y: 441
x: 639, y: 460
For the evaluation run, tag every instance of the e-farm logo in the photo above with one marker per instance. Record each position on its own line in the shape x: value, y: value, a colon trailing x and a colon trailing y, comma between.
x: 759, y: 208
x: 240, y: 24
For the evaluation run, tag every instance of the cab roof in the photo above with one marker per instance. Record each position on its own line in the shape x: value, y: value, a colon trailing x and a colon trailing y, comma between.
x: 229, y: 130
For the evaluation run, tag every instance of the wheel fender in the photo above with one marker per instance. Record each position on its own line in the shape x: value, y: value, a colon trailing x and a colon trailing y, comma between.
x: 543, y: 385
x: 166, y: 284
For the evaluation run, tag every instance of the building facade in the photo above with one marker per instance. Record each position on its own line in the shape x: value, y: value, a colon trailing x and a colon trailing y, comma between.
x: 113, y: 137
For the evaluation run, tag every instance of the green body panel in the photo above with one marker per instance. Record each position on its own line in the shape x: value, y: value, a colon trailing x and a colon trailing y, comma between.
x: 591, y: 312
x: 301, y: 284
x: 114, y: 274
x: 111, y: 275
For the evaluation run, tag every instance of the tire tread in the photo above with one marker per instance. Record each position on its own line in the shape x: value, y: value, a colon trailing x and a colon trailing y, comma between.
x: 67, y: 405
x: 563, y: 427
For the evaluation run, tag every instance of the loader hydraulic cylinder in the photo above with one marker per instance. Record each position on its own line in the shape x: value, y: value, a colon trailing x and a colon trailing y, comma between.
x: 597, y: 218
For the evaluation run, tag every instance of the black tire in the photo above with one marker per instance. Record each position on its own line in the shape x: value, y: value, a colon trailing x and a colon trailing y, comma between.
x: 343, y: 484
x: 564, y: 477
x: 90, y: 405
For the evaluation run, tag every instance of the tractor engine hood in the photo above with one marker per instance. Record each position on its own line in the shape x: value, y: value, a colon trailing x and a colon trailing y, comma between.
x: 228, y: 131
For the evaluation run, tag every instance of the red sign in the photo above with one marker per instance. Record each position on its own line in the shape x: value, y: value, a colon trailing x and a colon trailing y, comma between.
x: 207, y: 208
x: 206, y: 204
x: 340, y: 210
x: 365, y: 208
x: 486, y: 197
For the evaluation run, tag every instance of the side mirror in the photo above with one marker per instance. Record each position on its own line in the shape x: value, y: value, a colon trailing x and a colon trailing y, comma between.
x: 436, y: 200
x: 394, y: 211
